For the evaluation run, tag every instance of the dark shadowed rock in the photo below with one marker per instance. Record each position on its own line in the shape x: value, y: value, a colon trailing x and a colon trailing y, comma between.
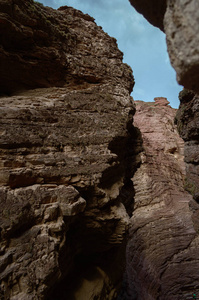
x: 187, y: 120
x: 152, y: 10
x: 43, y: 47
x: 65, y: 154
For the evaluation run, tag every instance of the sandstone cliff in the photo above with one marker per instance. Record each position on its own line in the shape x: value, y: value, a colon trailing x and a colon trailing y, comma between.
x: 68, y: 151
x: 162, y: 252
x: 66, y: 155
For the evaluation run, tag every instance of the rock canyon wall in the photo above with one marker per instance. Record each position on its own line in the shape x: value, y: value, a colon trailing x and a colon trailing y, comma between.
x: 179, y: 20
x: 162, y: 252
x: 68, y: 154
x: 66, y: 149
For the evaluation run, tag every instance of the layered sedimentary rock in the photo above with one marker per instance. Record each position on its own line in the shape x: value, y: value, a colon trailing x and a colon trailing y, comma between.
x: 43, y: 47
x: 65, y: 155
x: 181, y: 24
x: 162, y: 252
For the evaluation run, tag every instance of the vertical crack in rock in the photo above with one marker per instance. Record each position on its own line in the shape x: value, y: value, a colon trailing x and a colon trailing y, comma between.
x: 67, y: 153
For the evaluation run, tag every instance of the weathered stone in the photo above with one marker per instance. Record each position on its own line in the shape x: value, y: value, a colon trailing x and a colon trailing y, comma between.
x: 47, y: 47
x: 181, y: 24
x: 180, y: 21
x: 161, y: 101
x: 187, y: 120
x: 162, y: 255
x: 65, y: 154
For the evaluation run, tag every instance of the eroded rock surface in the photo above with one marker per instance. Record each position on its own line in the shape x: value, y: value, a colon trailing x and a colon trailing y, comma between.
x: 181, y: 25
x: 65, y: 155
x: 162, y: 252
x: 187, y: 120
x: 43, y: 47
x: 179, y: 20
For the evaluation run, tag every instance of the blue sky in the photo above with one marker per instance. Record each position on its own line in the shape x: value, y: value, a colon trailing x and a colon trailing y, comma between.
x: 143, y: 45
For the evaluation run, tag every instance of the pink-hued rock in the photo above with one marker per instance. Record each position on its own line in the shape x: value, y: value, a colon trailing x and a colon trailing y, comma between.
x: 161, y: 101
x: 162, y: 252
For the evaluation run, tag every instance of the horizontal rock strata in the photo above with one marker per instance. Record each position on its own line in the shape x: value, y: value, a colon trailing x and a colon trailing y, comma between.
x: 162, y: 252
x: 43, y: 47
x: 66, y: 155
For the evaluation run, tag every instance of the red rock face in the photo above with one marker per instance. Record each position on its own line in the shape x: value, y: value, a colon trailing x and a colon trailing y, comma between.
x: 162, y: 253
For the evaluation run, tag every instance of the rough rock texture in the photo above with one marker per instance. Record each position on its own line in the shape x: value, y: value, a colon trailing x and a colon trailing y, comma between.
x: 181, y: 27
x: 181, y: 24
x: 179, y: 19
x: 42, y: 47
x: 65, y: 155
x: 162, y: 252
x: 187, y: 120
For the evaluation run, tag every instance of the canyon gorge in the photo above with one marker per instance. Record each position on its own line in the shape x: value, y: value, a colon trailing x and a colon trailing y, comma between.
x: 99, y: 194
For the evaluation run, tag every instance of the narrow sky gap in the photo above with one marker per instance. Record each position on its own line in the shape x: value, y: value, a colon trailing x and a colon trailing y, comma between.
x: 143, y: 45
